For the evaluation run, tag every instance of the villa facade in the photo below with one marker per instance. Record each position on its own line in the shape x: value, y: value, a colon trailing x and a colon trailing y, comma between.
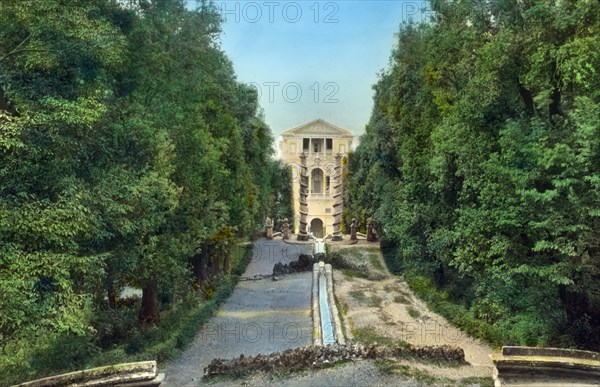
x: 314, y: 149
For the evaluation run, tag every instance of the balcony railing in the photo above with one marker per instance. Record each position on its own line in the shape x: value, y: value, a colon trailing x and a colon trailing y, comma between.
x: 323, y: 195
x: 320, y: 155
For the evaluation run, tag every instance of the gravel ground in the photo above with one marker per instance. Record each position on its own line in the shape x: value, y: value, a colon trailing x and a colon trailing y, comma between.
x: 261, y: 316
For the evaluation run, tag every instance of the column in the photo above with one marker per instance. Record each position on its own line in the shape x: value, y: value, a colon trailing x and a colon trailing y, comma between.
x: 338, y: 200
x: 302, y: 234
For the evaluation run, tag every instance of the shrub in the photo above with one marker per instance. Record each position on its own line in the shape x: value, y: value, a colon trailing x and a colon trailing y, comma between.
x: 412, y: 312
x: 64, y: 352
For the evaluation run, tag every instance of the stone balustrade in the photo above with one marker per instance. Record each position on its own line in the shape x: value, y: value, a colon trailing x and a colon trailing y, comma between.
x: 140, y: 374
x: 530, y: 366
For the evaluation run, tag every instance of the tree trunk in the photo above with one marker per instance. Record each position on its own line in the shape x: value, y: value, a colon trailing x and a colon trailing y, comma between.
x: 216, y: 264
x: 527, y: 99
x: 112, y: 294
x: 199, y: 262
x: 554, y: 107
x: 227, y: 264
x: 149, y: 311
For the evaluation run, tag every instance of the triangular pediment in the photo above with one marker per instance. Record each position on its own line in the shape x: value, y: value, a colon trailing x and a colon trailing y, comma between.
x: 317, y: 127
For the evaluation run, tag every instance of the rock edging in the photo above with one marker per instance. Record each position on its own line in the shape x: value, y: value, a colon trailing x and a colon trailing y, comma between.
x: 314, y: 357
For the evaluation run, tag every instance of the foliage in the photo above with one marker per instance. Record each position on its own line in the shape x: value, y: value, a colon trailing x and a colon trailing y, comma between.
x: 121, y: 124
x: 480, y: 165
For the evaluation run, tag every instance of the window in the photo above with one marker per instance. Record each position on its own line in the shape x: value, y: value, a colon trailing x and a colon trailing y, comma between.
x: 305, y: 144
x: 329, y: 144
x: 316, y: 177
x: 327, y: 182
x: 317, y: 144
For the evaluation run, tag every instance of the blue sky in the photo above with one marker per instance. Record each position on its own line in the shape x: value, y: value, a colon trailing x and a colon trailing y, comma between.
x: 313, y: 59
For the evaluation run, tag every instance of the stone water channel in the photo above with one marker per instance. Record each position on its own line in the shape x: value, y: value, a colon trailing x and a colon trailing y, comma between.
x: 327, y: 329
x: 323, y: 320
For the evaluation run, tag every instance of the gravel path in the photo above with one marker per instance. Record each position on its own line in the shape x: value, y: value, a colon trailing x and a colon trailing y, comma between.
x: 261, y: 316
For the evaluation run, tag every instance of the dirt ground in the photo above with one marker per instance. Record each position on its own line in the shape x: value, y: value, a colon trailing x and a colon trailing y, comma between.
x: 388, y: 308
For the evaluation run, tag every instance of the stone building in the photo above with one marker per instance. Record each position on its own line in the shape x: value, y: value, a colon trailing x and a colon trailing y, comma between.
x: 314, y: 151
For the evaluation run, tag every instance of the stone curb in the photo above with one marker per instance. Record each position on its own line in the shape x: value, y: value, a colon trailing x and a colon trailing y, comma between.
x: 138, y: 374
x: 293, y: 242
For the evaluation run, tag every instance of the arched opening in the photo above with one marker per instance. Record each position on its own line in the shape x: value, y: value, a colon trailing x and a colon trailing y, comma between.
x: 316, y: 227
x: 316, y: 177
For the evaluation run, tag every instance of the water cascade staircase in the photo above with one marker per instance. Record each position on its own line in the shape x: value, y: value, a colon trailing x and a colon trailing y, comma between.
x: 327, y: 328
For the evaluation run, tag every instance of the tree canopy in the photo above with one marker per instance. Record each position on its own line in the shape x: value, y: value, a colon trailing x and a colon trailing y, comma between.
x: 481, y: 163
x: 130, y: 156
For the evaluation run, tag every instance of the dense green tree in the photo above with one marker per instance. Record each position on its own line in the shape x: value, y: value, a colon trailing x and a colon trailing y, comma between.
x: 129, y: 156
x: 480, y: 162
x: 52, y: 85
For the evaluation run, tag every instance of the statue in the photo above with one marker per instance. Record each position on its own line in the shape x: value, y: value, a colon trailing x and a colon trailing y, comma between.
x: 286, y: 229
x: 371, y: 237
x: 353, y: 228
x: 269, y: 228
